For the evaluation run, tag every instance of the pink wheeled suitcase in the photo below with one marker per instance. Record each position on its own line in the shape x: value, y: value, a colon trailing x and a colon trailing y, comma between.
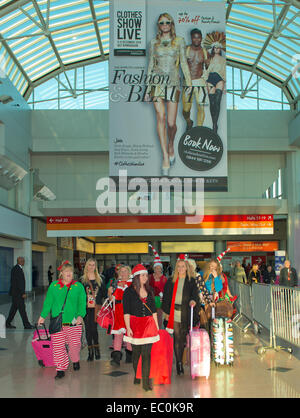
x: 199, y: 351
x: 42, y: 346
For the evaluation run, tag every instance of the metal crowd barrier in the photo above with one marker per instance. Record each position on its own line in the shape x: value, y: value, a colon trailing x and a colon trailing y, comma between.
x: 243, y: 304
x: 261, y: 304
x: 286, y: 313
x: 274, y: 307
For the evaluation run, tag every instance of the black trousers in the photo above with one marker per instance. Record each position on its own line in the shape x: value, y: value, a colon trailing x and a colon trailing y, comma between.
x: 18, y: 304
x: 91, y: 331
x: 144, y: 351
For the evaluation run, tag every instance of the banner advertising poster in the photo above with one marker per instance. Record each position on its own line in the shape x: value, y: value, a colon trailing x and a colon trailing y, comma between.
x: 280, y: 257
x: 168, y: 90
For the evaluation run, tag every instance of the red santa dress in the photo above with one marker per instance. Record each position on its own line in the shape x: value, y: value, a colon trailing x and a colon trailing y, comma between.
x: 119, y: 324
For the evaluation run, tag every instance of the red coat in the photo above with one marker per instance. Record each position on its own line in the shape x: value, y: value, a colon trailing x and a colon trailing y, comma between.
x: 119, y: 324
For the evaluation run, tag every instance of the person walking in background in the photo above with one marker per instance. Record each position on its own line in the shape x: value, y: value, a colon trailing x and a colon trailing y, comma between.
x: 67, y: 290
x: 109, y: 273
x: 288, y: 275
x: 140, y: 318
x: 239, y: 273
x: 50, y: 274
x: 180, y: 294
x: 95, y: 292
x: 269, y: 276
x: 18, y: 295
x: 254, y: 275
x: 158, y: 281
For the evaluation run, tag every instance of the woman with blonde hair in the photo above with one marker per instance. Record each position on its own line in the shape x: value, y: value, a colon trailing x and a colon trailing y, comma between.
x: 167, y: 52
x: 95, y: 292
x: 212, y: 275
x: 65, y: 296
x: 254, y: 275
x: 123, y: 282
x: 180, y: 294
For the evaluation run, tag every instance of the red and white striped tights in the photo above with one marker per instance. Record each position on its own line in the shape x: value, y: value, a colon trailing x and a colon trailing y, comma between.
x: 72, y: 337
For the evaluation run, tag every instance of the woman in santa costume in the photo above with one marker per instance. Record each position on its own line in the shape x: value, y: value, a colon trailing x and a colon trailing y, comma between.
x: 141, y: 322
x: 180, y: 294
x: 158, y: 281
x: 118, y: 330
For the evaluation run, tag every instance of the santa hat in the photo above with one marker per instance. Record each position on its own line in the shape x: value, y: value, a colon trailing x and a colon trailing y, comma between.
x: 157, y: 260
x: 219, y: 258
x: 182, y: 257
x: 138, y: 269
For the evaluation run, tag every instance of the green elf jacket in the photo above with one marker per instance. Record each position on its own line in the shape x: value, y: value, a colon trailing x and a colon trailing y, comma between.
x: 75, y: 305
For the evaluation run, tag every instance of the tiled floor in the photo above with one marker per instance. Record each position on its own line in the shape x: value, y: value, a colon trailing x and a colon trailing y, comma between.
x: 275, y: 374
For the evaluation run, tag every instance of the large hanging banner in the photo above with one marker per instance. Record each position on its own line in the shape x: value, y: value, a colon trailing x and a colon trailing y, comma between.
x: 160, y: 225
x: 167, y: 90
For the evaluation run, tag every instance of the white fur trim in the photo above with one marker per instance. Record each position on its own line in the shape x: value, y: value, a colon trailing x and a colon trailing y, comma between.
x: 139, y: 272
x: 118, y: 331
x: 122, y: 288
x: 170, y: 331
x: 141, y: 341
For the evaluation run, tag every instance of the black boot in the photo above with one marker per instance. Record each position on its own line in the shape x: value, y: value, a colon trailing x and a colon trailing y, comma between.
x: 97, y: 351
x: 128, y: 356
x: 60, y: 374
x: 76, y: 366
x: 216, y: 112
x: 116, y: 358
x: 211, y: 98
x: 91, y: 353
x: 179, y: 368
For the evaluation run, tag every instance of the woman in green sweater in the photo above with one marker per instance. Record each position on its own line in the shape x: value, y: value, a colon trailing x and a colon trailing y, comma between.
x: 65, y: 288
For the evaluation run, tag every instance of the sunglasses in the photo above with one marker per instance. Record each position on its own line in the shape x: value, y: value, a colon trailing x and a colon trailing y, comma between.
x: 165, y: 23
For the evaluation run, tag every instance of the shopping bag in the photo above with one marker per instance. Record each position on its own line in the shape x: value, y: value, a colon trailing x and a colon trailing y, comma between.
x: 105, y: 317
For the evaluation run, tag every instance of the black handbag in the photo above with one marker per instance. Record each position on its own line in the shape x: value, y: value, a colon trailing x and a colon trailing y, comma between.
x: 56, y: 321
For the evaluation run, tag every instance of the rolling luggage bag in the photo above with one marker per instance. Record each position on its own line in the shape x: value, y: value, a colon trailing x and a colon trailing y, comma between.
x: 42, y: 346
x: 199, y: 351
x: 222, y: 341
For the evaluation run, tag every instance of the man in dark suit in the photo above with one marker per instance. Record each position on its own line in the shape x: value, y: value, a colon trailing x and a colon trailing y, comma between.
x: 288, y: 275
x: 17, y: 292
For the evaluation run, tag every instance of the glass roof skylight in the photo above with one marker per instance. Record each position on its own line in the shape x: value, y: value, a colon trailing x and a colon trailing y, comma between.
x: 40, y: 39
